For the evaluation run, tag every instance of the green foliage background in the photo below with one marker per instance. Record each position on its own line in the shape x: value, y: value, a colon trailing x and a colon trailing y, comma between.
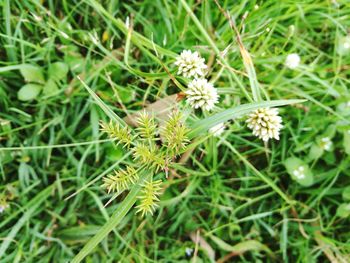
x: 217, y: 203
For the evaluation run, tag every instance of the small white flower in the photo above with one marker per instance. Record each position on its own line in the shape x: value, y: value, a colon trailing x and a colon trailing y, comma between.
x: 292, y: 61
x: 94, y: 38
x: 201, y: 94
x: 37, y: 18
x: 326, y: 143
x: 344, y: 45
x: 188, y: 251
x: 291, y: 30
x: 63, y: 34
x: 190, y: 64
x: 265, y: 123
x: 299, y: 173
x: 164, y: 40
x: 217, y: 130
x: 127, y: 22
x: 3, y: 207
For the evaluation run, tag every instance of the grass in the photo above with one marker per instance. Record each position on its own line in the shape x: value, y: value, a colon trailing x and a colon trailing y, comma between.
x: 231, y: 197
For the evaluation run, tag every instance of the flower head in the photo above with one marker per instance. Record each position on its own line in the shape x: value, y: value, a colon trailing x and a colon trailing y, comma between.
x: 201, y: 94
x: 217, y: 130
x: 3, y: 205
x: 265, y: 123
x: 121, y: 180
x: 299, y: 172
x: 326, y: 144
x: 190, y: 64
x: 292, y: 61
x: 344, y: 45
x: 149, y: 198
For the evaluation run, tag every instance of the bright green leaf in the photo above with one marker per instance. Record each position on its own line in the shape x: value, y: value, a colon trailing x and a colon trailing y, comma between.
x: 114, y: 153
x: 343, y: 109
x: 346, y: 193
x: 343, y: 210
x: 50, y: 87
x: 126, y: 95
x: 32, y: 73
x: 299, y: 171
x: 315, y: 152
x: 346, y: 141
x: 29, y: 92
x: 58, y: 71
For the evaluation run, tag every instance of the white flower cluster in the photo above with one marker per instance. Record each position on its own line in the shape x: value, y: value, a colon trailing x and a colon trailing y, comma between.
x: 200, y: 92
x: 326, y: 144
x: 299, y: 173
x: 344, y: 45
x: 190, y: 64
x: 3, y: 207
x: 292, y: 61
x: 265, y: 123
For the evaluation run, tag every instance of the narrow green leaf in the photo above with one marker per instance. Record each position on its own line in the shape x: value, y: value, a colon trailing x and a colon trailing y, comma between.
x: 267, y: 180
x: 242, y: 247
x: 115, y: 219
x: 31, y: 209
x: 136, y: 38
x: 239, y: 111
x: 103, y: 106
x: 346, y: 141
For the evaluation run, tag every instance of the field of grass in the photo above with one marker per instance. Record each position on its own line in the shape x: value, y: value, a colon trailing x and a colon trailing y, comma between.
x: 67, y: 66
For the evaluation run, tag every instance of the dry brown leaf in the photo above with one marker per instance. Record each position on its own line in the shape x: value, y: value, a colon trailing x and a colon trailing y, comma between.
x: 161, y: 109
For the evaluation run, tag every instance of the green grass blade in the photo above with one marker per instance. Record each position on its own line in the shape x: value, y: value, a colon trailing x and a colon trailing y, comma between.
x: 115, y: 219
x: 102, y: 105
x: 35, y: 203
x: 267, y: 180
x: 214, y: 47
x: 239, y: 111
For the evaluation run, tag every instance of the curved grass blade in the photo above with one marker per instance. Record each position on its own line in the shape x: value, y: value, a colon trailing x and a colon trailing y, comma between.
x: 202, y: 126
x: 115, y: 219
x: 102, y: 105
x: 31, y: 208
x: 136, y: 38
x: 214, y: 47
x: 267, y: 180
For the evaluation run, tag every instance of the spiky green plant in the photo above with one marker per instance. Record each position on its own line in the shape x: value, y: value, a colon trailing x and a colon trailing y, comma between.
x: 175, y: 133
x: 150, y: 153
x: 146, y: 126
x: 149, y: 197
x: 121, y: 180
x: 122, y: 135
